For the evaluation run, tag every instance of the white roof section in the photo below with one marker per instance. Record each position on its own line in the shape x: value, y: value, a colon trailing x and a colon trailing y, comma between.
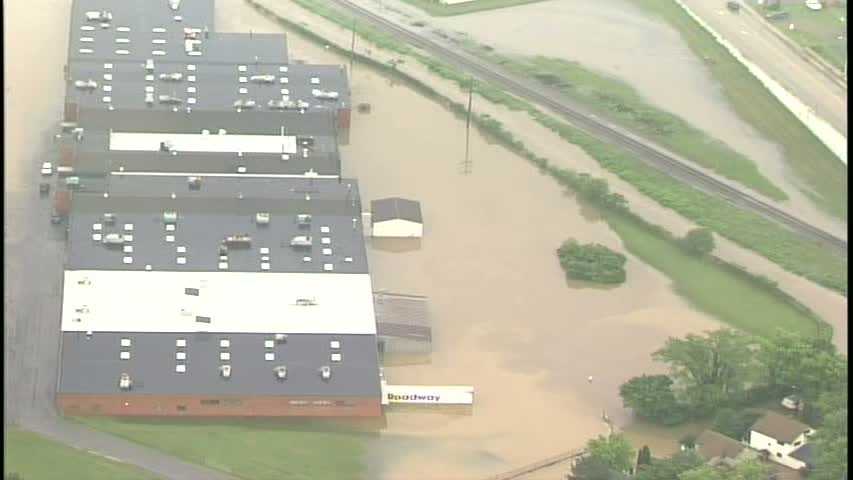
x: 427, y: 394
x: 197, y: 142
x: 232, y: 302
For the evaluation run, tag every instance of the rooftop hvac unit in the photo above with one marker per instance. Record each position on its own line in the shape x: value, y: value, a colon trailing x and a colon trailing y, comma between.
x: 303, y: 219
x: 194, y: 183
x: 171, y: 77
x: 149, y: 99
x: 306, y: 141
x: 170, y: 217
x: 281, y: 104
x: 325, y: 372
x: 174, y: 4
x: 149, y: 65
x: 86, y: 84
x: 99, y: 16
x: 302, y: 104
x: 124, y: 382
x: 262, y: 218
x: 238, y: 241
x: 170, y: 100
x: 113, y: 239
x: 245, y: 104
x: 262, y: 78
x: 109, y: 218
x: 280, y: 338
x: 225, y: 371
x: 280, y: 372
x: 301, y: 241
x: 305, y: 302
x: 324, y: 94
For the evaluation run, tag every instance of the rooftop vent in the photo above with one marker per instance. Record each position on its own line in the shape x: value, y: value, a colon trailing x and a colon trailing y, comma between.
x: 336, y: 357
x: 201, y: 319
x: 181, y: 342
x: 325, y: 372
x: 301, y: 241
x: 262, y: 218
x: 172, y: 77
x: 303, y: 219
x: 170, y: 217
x: 280, y: 338
x: 335, y: 344
x: 262, y: 78
x: 269, y: 343
x: 280, y: 372
x: 225, y: 371
x: 86, y: 84
x: 181, y: 368
x: 124, y: 382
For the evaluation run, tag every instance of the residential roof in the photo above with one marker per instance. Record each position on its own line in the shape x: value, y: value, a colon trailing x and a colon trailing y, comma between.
x: 780, y: 427
x: 220, y: 208
x: 711, y: 444
x: 395, y: 208
x: 92, y: 365
x: 804, y: 454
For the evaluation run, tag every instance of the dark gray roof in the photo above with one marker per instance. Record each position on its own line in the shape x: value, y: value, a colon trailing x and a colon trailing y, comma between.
x: 92, y: 365
x: 710, y: 445
x: 804, y: 454
x: 209, y: 215
x: 394, y: 208
x: 217, y: 85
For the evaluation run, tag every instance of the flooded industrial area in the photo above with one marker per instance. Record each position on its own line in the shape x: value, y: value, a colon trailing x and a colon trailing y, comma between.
x: 504, y: 318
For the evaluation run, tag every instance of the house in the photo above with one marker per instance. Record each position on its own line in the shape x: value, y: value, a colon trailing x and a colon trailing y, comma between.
x: 782, y: 439
x: 716, y: 448
x: 396, y: 217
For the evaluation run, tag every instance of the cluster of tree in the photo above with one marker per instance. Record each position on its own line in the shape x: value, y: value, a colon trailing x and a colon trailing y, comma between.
x: 592, y: 262
x: 721, y: 372
x: 699, y: 241
x: 608, y: 458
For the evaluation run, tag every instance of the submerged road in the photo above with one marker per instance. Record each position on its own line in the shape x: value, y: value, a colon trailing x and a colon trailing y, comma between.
x: 648, y: 152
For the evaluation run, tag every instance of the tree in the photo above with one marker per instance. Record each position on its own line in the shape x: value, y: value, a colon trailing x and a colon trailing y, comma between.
x: 644, y: 457
x: 699, y: 241
x: 703, y: 472
x: 592, y: 262
x: 614, y: 451
x: 709, y: 370
x: 734, y: 423
x: 651, y: 397
x: 830, y: 441
x: 591, y: 468
x: 744, y: 470
x: 810, y: 364
x: 669, y: 468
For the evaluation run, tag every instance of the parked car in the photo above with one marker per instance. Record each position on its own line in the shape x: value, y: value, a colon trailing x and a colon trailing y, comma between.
x: 792, y: 402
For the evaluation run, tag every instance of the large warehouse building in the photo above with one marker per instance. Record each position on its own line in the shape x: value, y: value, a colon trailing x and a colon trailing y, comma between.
x: 216, y: 259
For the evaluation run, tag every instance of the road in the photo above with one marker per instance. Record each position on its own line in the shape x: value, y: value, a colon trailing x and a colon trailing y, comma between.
x: 752, y: 36
x: 646, y: 151
x: 35, y: 249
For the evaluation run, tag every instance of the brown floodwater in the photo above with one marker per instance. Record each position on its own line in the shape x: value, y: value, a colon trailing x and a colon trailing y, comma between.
x: 618, y: 39
x: 505, y: 319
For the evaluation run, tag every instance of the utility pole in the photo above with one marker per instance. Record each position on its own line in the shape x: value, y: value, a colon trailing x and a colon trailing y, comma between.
x: 466, y: 165
x: 352, y: 48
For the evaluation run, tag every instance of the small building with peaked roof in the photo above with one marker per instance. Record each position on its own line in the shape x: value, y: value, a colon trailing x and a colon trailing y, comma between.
x: 396, y: 217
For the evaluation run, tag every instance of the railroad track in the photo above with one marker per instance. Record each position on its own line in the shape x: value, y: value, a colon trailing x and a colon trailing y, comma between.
x: 648, y: 153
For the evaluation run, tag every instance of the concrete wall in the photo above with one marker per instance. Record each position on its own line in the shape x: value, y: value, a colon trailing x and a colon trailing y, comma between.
x: 832, y: 138
x: 778, y: 452
x: 397, y: 228
x: 218, y: 406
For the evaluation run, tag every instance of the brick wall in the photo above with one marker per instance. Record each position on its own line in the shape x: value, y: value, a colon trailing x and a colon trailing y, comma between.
x: 223, y: 406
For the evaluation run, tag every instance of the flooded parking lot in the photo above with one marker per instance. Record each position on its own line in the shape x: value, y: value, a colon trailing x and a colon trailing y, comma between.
x: 504, y: 318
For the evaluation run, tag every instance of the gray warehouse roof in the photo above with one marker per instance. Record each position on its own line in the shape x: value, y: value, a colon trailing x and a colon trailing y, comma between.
x: 395, y: 208
x: 92, y: 365
x: 205, y: 217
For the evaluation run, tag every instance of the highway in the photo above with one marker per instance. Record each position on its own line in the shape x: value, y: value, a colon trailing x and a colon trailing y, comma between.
x: 651, y: 154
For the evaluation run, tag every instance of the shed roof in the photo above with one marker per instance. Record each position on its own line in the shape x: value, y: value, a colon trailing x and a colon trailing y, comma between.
x: 804, y: 454
x: 395, y: 208
x: 780, y: 427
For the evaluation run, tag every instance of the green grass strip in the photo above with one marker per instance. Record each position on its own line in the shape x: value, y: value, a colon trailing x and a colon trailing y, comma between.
x: 436, y: 9
x: 34, y: 457
x: 245, y: 449
x: 824, y: 175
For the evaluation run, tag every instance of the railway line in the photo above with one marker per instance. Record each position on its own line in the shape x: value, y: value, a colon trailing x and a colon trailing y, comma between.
x: 647, y: 152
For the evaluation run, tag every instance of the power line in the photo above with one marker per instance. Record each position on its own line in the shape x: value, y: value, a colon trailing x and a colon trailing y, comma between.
x: 466, y: 164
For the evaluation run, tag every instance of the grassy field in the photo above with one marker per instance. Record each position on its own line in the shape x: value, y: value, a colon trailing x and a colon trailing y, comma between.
x: 251, y: 450
x: 810, y: 160
x: 816, y: 30
x: 707, y: 284
x: 748, y: 229
x: 34, y: 457
x: 619, y: 102
x: 436, y: 9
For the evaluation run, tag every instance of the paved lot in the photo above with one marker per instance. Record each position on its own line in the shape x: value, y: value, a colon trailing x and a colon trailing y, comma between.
x: 752, y: 37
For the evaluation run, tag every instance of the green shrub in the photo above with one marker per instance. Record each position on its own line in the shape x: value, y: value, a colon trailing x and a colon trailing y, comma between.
x: 592, y: 262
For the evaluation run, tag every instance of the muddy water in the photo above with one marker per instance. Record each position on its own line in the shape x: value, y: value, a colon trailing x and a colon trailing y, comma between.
x: 616, y: 38
x: 504, y: 318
